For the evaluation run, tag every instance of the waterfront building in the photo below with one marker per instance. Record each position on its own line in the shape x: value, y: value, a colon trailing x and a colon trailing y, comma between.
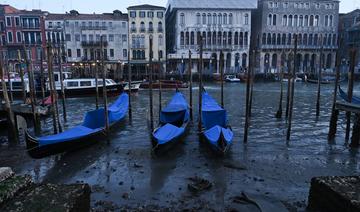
x: 145, y: 22
x: 80, y: 36
x: 314, y: 21
x: 224, y: 26
x: 349, y: 30
x: 21, y: 29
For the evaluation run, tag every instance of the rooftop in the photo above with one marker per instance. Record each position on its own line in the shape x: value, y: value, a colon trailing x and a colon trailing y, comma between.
x: 212, y: 4
x: 75, y: 15
x: 146, y: 7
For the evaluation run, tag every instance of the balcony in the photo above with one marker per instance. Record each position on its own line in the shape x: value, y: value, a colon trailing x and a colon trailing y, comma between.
x: 142, y: 29
x: 151, y: 30
x: 93, y: 28
x: 93, y: 43
x: 160, y: 30
x: 31, y: 26
x: 133, y: 29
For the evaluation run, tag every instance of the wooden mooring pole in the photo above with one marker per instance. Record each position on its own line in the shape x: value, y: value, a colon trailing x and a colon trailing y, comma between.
x: 21, y: 71
x: 150, y: 71
x: 288, y: 89
x: 12, y: 130
x: 97, y: 84
x: 160, y: 86
x: 63, y: 97
x: 247, y: 100
x: 129, y: 79
x: 334, y: 112
x: 200, y: 85
x: 52, y: 89
x: 42, y: 78
x: 103, y: 67
x: 350, y: 92
x: 190, y: 86
x: 320, y: 78
x: 292, y: 91
x: 222, y: 77
x: 280, y: 109
x: 31, y: 80
x: 10, y: 84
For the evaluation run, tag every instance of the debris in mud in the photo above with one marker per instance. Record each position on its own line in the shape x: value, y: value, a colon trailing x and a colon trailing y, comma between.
x: 234, y: 166
x: 199, y: 184
x: 244, y: 199
x: 137, y: 165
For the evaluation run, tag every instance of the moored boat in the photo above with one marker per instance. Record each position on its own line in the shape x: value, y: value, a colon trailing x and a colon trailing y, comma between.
x: 344, y: 96
x: 232, y: 78
x: 216, y: 131
x: 165, y: 84
x: 92, y: 128
x: 174, y: 120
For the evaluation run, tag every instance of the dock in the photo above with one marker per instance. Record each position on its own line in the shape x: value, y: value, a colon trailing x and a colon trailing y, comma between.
x: 25, y: 110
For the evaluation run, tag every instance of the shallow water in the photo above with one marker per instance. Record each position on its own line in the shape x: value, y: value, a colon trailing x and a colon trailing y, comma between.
x: 274, y: 168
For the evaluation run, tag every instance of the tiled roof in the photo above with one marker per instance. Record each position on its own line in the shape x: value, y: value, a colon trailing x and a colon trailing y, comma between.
x: 104, y: 16
x: 146, y: 7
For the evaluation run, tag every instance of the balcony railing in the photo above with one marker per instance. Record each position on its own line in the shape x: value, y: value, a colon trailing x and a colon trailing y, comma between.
x: 151, y: 30
x: 160, y: 29
x: 93, y: 43
x: 142, y: 30
x: 31, y: 26
x: 93, y: 28
x: 133, y: 30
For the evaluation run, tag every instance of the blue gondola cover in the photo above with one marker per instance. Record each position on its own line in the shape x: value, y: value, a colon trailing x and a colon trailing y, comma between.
x: 355, y: 99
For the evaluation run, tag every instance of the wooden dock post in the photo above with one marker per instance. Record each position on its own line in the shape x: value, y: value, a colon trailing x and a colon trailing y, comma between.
x: 42, y: 79
x: 160, y: 86
x: 190, y: 86
x: 279, y: 112
x: 247, y: 100
x: 222, y: 77
x: 319, y: 78
x: 32, y: 93
x: 288, y: 88
x: 12, y: 130
x: 200, y: 84
x: 150, y: 71
x: 21, y: 71
x: 252, y: 87
x: 292, y: 91
x: 334, y: 112
x: 129, y: 78
x: 10, y: 86
x: 103, y: 67
x: 63, y: 97
x: 52, y: 89
x: 97, y: 84
x: 350, y: 92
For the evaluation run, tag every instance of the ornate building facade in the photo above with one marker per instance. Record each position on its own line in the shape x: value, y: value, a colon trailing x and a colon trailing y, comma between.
x: 224, y: 25
x: 145, y: 22
x: 315, y: 22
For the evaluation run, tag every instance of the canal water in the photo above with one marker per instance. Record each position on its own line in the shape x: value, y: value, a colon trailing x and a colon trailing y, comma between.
x: 123, y: 172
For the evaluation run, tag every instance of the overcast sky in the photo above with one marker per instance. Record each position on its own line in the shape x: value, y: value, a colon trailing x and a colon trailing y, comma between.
x: 100, y: 6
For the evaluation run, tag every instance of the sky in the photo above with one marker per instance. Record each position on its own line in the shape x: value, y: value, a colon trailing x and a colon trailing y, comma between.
x: 91, y: 6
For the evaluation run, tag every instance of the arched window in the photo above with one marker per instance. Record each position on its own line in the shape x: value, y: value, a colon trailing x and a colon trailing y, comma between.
x: 241, y: 39
x: 133, y: 40
x: 161, y: 40
x: 198, y: 18
x: 269, y: 20
x: 289, y: 39
x: 284, y: 20
x: 326, y: 20
x: 310, y: 42
x: 160, y: 27
x: 133, y: 26
x: 192, y: 38
x: 283, y: 39
x: 263, y: 39
x: 203, y: 37
x: 301, y: 20
x: 182, y: 19
x: 236, y: 38
x: 316, y: 20
x: 151, y: 27
x: 306, y: 21
x: 224, y: 38
x: 300, y: 39
x: 290, y: 20
x: 311, y: 20
x: 305, y: 39
x: 204, y: 18
x: 219, y: 19
x: 246, y: 19
x: 269, y: 39
x: 278, y: 40
x: 316, y: 39
x: 219, y: 37
x: 295, y: 20
x: 230, y: 18
x: 142, y: 41
x: 230, y: 38
x: 142, y: 27
x: 225, y: 19
x: 134, y: 54
x: 214, y: 18
x: 182, y: 39
x: 187, y: 38
x: 274, y: 20
x: 209, y: 18
x: 331, y: 21
x: 334, y: 40
x: 273, y: 42
x: 246, y: 39
x: 209, y: 38
x: 214, y: 38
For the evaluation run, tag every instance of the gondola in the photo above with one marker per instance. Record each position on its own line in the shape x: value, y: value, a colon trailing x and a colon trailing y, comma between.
x: 216, y: 131
x: 92, y: 128
x: 174, y: 120
x: 344, y: 96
